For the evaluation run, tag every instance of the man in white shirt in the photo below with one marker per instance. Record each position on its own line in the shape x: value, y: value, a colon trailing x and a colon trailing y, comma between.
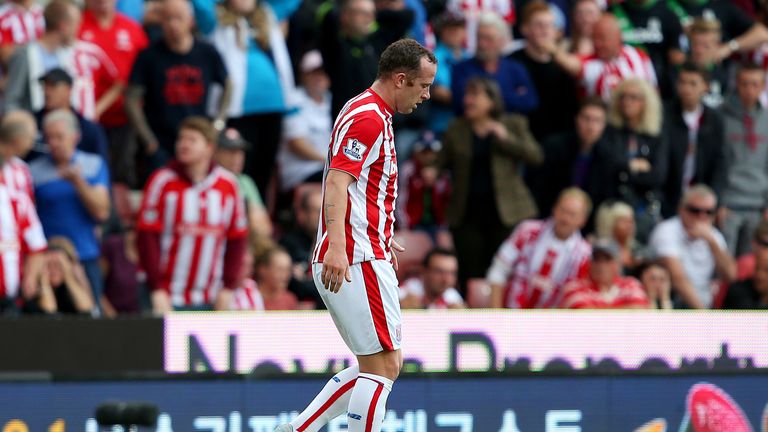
x: 693, y: 249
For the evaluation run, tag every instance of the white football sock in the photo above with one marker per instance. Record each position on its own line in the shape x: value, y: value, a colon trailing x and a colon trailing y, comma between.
x: 331, y: 402
x: 367, y: 404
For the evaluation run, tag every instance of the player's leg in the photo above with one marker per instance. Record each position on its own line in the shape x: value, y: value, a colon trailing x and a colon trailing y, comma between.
x: 331, y: 402
x: 378, y: 371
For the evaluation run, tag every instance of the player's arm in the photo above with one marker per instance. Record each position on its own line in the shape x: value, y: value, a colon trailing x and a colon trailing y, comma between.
x: 335, y: 263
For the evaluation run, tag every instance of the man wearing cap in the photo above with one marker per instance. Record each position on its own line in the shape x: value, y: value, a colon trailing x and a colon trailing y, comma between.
x: 57, y: 89
x: 306, y: 130
x: 230, y: 154
x: 605, y: 288
x: 192, y: 230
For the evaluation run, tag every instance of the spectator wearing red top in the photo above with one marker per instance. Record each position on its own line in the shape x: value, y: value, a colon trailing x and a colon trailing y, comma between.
x: 273, y: 274
x: 605, y: 288
x: 121, y: 38
x: 21, y: 21
x: 424, y: 191
x: 196, y: 207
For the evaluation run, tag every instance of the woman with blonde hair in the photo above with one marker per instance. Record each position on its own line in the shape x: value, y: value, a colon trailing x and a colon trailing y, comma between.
x: 616, y: 220
x: 635, y: 151
x: 248, y: 35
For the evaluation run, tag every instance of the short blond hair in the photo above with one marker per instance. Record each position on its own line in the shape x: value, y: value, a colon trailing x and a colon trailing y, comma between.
x: 607, y: 213
x: 575, y: 192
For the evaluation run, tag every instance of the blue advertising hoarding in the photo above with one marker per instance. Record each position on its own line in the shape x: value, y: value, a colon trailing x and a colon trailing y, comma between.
x: 711, y: 403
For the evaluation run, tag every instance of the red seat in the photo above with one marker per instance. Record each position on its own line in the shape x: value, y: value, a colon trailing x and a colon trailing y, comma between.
x: 417, y: 244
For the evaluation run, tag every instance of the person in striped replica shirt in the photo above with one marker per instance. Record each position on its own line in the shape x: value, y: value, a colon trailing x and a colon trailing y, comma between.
x: 353, y: 263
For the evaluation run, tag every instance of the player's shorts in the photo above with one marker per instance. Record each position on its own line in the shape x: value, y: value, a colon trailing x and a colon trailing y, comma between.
x: 367, y: 310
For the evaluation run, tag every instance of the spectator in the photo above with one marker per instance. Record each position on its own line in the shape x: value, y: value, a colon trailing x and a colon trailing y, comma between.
x: 636, y: 152
x: 197, y: 209
x: 171, y: 80
x: 483, y: 151
x: 22, y: 234
x: 58, y: 47
x: 424, y: 192
x: 247, y: 295
x: 611, y: 63
x: 657, y: 283
x: 704, y: 37
x: 121, y: 38
x: 72, y: 192
x: 57, y: 89
x: 542, y: 256
x: 740, y: 32
x: 62, y: 289
x: 230, y: 154
x: 517, y: 90
x: 753, y: 292
x: 604, y: 287
x: 745, y: 264
x: 21, y: 22
x: 435, y: 288
x: 351, y: 47
x: 616, y: 221
x: 474, y: 11
x: 19, y: 132
x: 306, y: 131
x: 585, y: 15
x: 571, y: 158
x: 692, y: 249
x: 694, y: 133
x: 653, y: 27
x: 123, y: 277
x: 556, y: 89
x: 299, y: 242
x: 273, y: 274
x: 745, y: 194
x: 451, y: 32
x: 248, y: 35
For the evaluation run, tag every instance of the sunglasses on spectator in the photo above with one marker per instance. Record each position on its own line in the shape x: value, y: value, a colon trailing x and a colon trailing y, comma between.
x: 699, y: 211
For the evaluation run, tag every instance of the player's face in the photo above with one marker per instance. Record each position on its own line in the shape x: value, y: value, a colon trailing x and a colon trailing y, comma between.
x: 61, y: 140
x: 411, y: 93
x: 192, y: 148
x: 441, y: 274
x: 569, y: 216
x: 691, y: 87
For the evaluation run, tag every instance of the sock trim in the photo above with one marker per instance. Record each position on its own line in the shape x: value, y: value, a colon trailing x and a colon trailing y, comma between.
x: 380, y: 380
x: 334, y: 397
x: 372, y: 406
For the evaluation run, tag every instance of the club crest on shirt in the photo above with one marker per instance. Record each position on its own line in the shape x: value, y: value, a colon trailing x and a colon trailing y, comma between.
x: 398, y: 333
x: 354, y: 150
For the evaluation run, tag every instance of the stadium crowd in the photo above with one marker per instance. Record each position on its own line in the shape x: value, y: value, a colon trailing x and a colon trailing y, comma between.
x: 167, y: 154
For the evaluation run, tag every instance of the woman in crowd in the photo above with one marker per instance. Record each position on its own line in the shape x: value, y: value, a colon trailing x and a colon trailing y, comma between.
x: 657, y: 283
x: 616, y: 220
x: 635, y: 152
x: 247, y: 34
x: 63, y: 285
x: 484, y: 151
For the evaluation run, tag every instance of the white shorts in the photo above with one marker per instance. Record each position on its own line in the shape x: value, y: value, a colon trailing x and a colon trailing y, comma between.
x: 367, y: 310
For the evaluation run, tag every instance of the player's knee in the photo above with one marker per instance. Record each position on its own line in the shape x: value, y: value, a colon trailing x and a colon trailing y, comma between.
x: 393, y: 365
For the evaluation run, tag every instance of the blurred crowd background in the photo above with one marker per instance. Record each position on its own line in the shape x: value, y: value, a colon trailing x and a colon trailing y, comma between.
x: 573, y: 154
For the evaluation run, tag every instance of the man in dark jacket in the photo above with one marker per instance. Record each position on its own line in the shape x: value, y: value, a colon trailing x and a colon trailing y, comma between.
x: 694, y: 133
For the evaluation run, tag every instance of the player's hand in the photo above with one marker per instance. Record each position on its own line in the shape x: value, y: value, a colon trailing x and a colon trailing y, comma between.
x: 335, y: 269
x: 396, y: 247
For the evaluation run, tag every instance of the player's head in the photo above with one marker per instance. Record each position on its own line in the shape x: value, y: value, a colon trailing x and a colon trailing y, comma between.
x: 571, y: 211
x: 62, y: 132
x: 440, y: 268
x: 606, y: 36
x: 196, y: 141
x: 408, y: 69
x: 18, y: 130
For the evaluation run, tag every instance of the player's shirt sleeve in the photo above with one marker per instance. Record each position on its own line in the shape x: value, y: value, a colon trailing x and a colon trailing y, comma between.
x: 354, y: 143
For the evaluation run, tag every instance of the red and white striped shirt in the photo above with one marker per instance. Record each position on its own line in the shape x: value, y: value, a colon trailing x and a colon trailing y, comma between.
x: 19, y: 25
x: 90, y: 65
x: 194, y: 222
x: 471, y: 11
x: 20, y: 234
x: 599, y: 77
x: 16, y: 175
x: 585, y: 294
x: 535, y: 265
x: 247, y: 297
x: 363, y: 145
